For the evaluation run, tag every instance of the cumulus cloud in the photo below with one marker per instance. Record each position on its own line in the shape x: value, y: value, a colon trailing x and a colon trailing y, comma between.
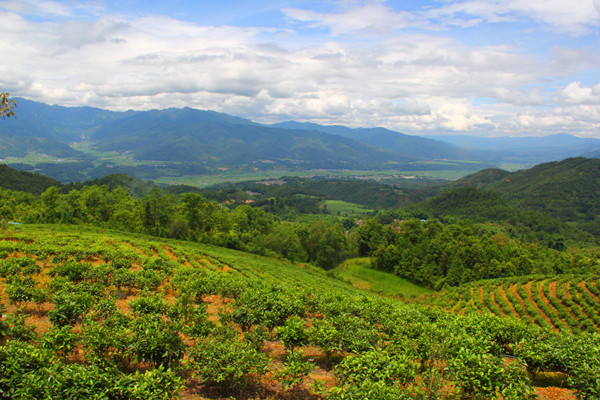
x: 574, y: 93
x: 373, y: 67
x: 575, y: 16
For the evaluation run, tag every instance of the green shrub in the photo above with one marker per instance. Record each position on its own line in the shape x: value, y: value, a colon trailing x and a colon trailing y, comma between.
x: 69, y: 307
x: 227, y: 361
x: 154, y: 384
x: 378, y: 365
x: 293, y: 333
x: 148, y: 304
x: 156, y: 340
x: 72, y: 270
x: 61, y: 340
x: 485, y: 376
x: 295, y: 370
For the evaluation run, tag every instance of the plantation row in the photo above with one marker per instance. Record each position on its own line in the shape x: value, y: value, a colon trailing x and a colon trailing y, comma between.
x: 568, y: 303
x: 98, y: 315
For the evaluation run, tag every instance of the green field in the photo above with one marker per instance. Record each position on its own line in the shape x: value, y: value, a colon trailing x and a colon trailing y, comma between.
x: 358, y: 272
x: 345, y: 209
x: 456, y: 169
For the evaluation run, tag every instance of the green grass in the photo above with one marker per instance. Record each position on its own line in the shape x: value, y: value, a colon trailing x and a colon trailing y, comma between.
x: 343, y: 208
x: 358, y: 272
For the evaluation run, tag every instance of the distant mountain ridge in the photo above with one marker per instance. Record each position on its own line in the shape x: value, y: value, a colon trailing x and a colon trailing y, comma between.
x: 385, y: 138
x: 538, y: 149
x: 211, y: 138
x: 195, y: 137
x: 79, y: 143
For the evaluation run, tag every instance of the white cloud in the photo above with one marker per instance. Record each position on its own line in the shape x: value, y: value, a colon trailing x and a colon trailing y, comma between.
x: 575, y: 94
x: 403, y: 80
x: 39, y: 8
x: 365, y: 18
x: 573, y: 16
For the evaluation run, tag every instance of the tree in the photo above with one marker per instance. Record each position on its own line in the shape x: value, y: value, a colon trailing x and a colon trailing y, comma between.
x: 6, y: 105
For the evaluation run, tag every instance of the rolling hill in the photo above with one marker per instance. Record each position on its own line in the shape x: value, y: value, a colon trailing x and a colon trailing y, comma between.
x: 568, y: 190
x: 14, y: 179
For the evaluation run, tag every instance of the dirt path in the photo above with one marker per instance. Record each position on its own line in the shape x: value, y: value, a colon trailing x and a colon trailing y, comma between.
x: 493, y: 300
x: 215, y: 303
x: 552, y: 287
x: 136, y: 249
x: 566, y: 288
x: 554, y: 393
x: 544, y: 298
x: 169, y: 253
x: 481, y: 296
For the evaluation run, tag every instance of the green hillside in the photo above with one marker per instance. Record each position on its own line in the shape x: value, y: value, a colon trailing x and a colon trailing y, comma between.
x: 567, y: 190
x: 125, y: 316
x: 216, y: 139
x: 13, y: 179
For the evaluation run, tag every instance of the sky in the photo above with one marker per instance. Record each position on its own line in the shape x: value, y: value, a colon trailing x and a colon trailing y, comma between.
x: 475, y: 67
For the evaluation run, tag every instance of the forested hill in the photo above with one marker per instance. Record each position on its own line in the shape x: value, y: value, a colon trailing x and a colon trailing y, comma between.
x: 209, y: 138
x: 385, y: 138
x: 568, y: 190
x: 24, y: 181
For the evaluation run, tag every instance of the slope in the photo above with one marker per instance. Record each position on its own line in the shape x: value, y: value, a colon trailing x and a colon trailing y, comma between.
x: 567, y: 190
x: 217, y: 139
x: 136, y: 317
x: 13, y: 179
x: 387, y: 139
x: 567, y: 303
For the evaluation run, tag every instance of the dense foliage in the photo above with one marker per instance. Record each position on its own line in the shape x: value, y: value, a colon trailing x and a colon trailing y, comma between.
x: 567, y: 190
x: 189, y: 216
x: 13, y: 179
x: 433, y: 254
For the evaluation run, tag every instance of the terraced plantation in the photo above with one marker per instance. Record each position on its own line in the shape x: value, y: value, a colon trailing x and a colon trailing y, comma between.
x: 567, y: 303
x: 92, y: 313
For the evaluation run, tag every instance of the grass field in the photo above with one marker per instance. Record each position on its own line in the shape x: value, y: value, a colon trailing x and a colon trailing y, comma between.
x: 343, y: 208
x: 358, y: 272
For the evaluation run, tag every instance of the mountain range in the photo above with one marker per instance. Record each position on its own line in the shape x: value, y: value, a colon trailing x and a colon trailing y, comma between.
x: 79, y: 143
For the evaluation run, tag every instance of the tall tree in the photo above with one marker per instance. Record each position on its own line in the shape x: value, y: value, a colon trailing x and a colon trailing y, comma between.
x: 6, y: 105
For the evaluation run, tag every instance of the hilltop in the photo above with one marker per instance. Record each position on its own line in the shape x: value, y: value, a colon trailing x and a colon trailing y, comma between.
x: 567, y: 190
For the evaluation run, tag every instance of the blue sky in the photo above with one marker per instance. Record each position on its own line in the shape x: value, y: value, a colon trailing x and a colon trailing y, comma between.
x: 479, y: 67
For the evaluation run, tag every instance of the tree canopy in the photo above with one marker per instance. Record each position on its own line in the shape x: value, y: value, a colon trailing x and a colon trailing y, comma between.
x: 6, y: 105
